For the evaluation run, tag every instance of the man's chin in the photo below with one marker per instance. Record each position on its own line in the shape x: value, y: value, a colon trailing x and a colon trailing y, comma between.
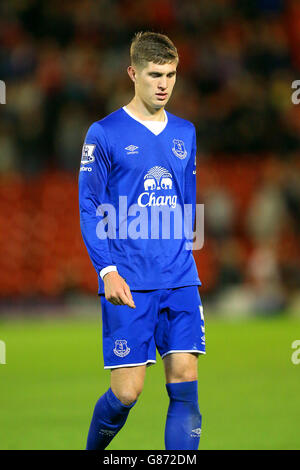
x: 159, y: 104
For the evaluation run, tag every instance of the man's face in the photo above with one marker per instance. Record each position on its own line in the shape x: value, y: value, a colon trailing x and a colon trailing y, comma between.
x: 154, y: 83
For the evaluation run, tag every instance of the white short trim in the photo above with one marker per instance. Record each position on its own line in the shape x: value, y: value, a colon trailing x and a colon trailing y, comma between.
x: 183, y: 351
x: 150, y: 361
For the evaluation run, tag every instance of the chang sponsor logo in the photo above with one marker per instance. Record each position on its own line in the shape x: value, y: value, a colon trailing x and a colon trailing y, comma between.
x: 156, y: 179
x: 149, y: 199
x: 156, y: 214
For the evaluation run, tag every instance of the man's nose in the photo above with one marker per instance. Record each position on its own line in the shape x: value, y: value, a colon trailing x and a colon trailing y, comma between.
x: 162, y: 83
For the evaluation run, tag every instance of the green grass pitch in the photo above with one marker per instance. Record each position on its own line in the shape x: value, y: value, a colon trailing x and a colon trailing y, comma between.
x: 249, y: 389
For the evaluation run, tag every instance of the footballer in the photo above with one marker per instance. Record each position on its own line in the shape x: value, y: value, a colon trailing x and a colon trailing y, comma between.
x: 144, y: 158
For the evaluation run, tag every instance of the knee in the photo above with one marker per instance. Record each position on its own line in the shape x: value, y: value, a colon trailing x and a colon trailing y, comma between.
x: 128, y: 396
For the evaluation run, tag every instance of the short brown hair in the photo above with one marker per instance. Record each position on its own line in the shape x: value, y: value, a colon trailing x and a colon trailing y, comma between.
x: 152, y: 47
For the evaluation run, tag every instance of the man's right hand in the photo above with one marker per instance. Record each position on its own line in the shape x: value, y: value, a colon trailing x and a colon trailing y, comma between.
x: 116, y: 289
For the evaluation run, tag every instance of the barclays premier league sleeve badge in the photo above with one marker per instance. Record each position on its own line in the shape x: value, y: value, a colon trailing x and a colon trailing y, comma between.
x: 87, y: 153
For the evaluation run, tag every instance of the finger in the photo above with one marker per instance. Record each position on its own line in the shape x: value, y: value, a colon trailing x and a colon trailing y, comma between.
x: 128, y: 294
x: 130, y: 301
x: 114, y: 301
x: 126, y: 300
x: 119, y: 299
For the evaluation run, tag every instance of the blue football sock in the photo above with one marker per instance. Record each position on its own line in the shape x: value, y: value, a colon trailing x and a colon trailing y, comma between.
x: 108, y: 418
x: 183, y: 425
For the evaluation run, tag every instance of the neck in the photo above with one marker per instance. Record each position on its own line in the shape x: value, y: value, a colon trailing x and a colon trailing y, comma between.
x: 144, y: 112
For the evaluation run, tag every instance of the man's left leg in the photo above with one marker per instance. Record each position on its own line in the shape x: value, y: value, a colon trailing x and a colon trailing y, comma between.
x: 183, y: 424
x: 180, y: 338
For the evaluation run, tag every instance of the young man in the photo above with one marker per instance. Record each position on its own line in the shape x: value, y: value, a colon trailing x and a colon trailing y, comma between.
x: 143, y: 158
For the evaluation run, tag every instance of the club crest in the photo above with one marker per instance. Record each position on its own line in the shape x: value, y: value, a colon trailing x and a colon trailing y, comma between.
x: 179, y: 149
x: 121, y: 349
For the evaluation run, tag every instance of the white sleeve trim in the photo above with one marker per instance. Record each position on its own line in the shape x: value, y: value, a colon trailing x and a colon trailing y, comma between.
x: 106, y: 270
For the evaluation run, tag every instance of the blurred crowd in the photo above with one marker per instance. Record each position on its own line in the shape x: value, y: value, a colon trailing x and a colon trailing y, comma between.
x: 252, y: 232
x: 64, y: 65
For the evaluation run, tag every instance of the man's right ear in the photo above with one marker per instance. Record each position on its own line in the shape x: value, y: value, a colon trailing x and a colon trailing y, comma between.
x: 132, y: 73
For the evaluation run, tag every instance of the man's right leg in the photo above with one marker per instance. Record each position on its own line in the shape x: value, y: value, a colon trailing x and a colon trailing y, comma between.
x: 128, y: 346
x: 113, y: 407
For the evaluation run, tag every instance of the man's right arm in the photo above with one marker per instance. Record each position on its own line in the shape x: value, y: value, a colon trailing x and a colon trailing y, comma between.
x: 94, y: 172
x: 93, y: 176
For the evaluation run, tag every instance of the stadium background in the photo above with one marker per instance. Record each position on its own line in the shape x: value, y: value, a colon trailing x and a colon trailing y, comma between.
x: 64, y: 66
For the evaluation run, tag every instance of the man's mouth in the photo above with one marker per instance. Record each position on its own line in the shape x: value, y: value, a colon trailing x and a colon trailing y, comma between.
x: 161, y: 96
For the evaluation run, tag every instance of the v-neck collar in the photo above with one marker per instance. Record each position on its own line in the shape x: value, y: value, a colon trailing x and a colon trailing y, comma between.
x: 129, y: 113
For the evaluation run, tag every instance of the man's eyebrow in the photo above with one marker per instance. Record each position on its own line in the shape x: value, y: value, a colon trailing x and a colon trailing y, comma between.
x: 153, y: 72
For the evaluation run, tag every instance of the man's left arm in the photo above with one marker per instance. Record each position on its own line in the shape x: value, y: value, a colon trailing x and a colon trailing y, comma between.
x: 190, y: 189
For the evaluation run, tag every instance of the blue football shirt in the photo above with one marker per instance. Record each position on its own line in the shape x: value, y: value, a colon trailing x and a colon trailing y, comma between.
x: 136, y: 190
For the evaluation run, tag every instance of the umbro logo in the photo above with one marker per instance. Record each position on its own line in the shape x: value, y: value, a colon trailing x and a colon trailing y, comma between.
x: 196, y: 432
x: 131, y: 149
x: 107, y: 432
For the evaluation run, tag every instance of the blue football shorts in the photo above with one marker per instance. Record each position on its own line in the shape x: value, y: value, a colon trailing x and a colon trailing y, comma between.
x: 169, y: 320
